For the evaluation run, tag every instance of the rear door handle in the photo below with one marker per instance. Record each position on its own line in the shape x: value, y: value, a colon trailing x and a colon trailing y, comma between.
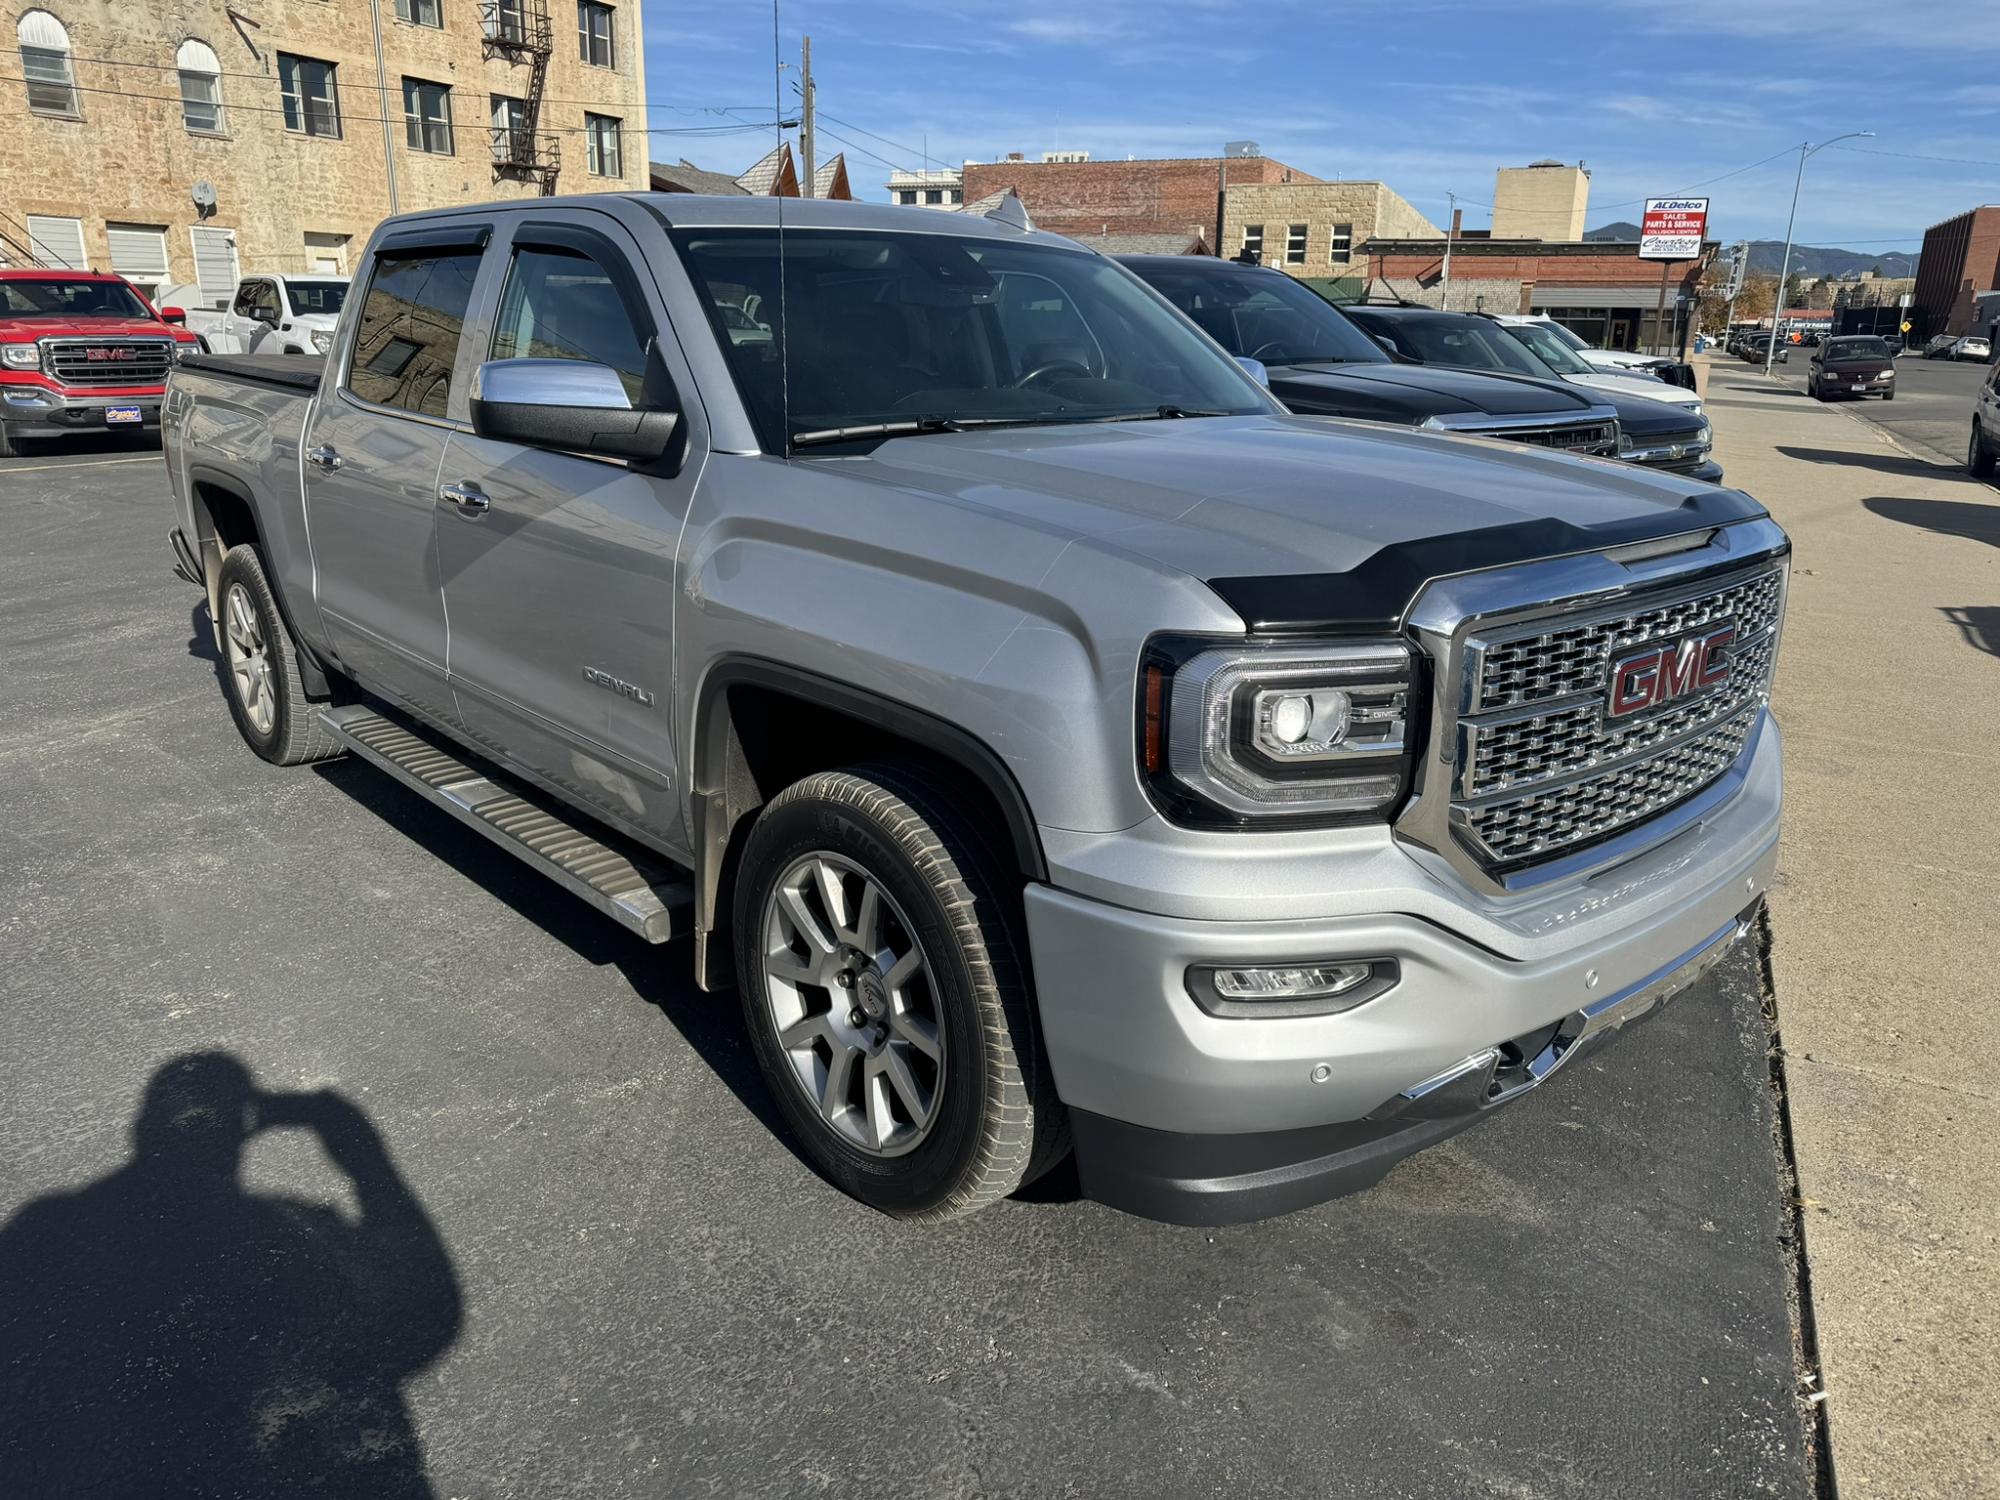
x: 324, y: 457
x: 470, y: 499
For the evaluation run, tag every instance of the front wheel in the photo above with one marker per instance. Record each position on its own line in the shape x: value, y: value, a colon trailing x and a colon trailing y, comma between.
x: 885, y: 994
x: 1979, y: 458
x: 261, y: 674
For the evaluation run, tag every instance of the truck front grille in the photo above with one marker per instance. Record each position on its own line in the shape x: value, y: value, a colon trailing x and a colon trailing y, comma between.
x: 1542, y: 765
x: 1570, y: 437
x: 108, y: 362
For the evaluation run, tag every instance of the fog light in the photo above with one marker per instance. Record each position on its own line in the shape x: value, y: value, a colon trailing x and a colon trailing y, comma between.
x: 1311, y: 989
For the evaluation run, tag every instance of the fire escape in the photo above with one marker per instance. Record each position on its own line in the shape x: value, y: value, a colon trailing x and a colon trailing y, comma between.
x: 519, y: 31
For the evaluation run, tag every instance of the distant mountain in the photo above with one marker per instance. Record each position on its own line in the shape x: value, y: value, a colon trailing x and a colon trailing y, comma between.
x: 1807, y: 260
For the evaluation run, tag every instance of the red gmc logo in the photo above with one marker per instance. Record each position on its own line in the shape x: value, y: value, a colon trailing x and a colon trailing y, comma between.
x: 1660, y: 674
x: 103, y: 355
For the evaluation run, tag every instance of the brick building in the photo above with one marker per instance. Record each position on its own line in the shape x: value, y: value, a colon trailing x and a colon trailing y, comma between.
x: 1960, y: 259
x: 300, y: 124
x: 1173, y: 196
x: 1599, y: 288
x: 1315, y: 230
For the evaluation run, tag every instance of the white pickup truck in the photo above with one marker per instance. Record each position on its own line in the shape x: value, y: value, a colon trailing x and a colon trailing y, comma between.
x: 270, y: 314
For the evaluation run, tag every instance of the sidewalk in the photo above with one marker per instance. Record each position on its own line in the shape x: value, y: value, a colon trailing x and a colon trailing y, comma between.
x: 1886, y: 917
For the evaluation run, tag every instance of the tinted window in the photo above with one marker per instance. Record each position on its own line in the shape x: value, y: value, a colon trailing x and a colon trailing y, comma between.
x: 37, y: 298
x: 1263, y: 315
x: 410, y: 324
x: 318, y: 296
x: 561, y: 304
x: 1446, y: 339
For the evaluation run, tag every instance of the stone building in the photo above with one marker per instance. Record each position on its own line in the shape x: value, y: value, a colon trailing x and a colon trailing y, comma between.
x: 189, y: 141
x: 1315, y: 230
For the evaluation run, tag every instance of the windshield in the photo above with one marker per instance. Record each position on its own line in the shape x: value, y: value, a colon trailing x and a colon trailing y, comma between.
x: 51, y: 297
x: 1840, y: 351
x: 1557, y: 355
x: 890, y: 327
x: 1568, y: 335
x: 317, y: 296
x: 1453, y: 339
x: 1263, y: 315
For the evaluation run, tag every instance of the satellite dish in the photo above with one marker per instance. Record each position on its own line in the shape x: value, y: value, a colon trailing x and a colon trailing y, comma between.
x: 204, y: 194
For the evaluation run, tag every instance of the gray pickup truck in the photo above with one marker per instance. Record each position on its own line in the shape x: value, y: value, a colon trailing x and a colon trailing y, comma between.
x: 1053, y: 742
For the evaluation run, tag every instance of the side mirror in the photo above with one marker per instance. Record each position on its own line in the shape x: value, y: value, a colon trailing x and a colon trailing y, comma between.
x: 574, y: 405
x: 1254, y: 368
x: 174, y: 315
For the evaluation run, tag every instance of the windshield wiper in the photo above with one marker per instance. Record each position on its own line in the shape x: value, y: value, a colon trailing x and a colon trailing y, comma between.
x: 1165, y: 412
x: 909, y: 427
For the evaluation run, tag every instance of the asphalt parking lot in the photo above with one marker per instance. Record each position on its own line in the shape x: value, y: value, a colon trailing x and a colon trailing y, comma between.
x: 514, y: 1218
x: 1932, y: 412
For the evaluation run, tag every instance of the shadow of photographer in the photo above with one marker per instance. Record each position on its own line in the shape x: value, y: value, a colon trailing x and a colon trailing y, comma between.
x: 164, y: 1331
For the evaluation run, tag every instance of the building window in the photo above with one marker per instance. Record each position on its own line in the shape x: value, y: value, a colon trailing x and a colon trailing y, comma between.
x: 421, y: 12
x: 311, y: 94
x: 427, y: 116
x: 597, y: 42
x: 933, y: 195
x: 57, y: 242
x: 139, y: 254
x: 604, y: 157
x: 954, y: 195
x: 326, y: 254
x: 906, y: 195
x: 1253, y: 241
x: 45, y: 64
x: 1295, y: 245
x: 512, y: 141
x: 1343, y: 244
x: 201, y: 87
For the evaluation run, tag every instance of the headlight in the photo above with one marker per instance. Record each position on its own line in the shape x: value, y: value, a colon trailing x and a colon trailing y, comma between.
x: 21, y: 356
x: 321, y: 340
x: 183, y: 350
x: 1269, y: 733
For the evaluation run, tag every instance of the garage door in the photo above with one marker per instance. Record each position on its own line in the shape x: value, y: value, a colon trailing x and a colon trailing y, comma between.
x: 57, y: 242
x: 215, y: 265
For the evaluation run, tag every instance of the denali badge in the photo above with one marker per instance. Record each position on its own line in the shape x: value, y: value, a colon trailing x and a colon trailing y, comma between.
x: 619, y: 686
x: 1659, y: 674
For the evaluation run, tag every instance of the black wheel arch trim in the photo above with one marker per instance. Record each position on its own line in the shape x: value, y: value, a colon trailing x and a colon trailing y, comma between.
x: 318, y: 687
x: 1377, y: 591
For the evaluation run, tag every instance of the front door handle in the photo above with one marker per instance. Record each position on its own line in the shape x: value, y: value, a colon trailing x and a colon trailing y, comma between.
x: 324, y: 457
x: 470, y: 499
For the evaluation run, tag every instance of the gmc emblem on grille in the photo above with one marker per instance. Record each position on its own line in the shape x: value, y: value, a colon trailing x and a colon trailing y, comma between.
x: 1659, y: 674
x: 98, y: 353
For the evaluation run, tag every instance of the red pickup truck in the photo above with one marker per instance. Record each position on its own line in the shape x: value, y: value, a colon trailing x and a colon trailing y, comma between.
x: 82, y: 352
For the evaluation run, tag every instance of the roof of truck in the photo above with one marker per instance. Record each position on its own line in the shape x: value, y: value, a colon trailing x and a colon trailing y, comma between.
x: 54, y: 273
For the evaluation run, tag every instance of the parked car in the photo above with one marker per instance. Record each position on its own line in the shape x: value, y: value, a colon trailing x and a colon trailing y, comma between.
x: 1571, y: 367
x: 1856, y: 365
x: 1658, y: 434
x: 1941, y: 346
x: 1320, y: 364
x: 1985, y: 445
x: 1973, y: 346
x: 1893, y: 342
x: 1758, y: 344
x: 270, y: 314
x: 1050, y: 738
x: 81, y: 351
x: 1613, y: 361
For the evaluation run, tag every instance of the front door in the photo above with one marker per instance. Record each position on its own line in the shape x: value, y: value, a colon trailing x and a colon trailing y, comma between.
x: 561, y: 589
x: 371, y: 468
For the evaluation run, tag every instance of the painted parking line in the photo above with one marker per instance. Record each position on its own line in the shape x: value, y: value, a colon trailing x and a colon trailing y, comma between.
x: 88, y: 463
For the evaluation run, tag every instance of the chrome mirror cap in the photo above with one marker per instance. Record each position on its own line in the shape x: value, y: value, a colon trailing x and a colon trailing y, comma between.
x: 1254, y: 368
x: 550, y: 382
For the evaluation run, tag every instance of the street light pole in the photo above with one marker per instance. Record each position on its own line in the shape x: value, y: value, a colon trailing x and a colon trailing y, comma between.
x: 1806, y: 149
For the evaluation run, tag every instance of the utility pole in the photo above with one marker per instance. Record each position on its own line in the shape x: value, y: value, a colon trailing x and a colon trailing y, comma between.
x: 806, y: 114
x: 1444, y: 292
x: 1807, y: 150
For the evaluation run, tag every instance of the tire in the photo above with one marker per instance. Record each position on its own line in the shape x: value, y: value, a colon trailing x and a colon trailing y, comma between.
x: 1979, y: 458
x: 924, y: 1132
x: 1813, y: 390
x: 1888, y: 395
x: 10, y: 446
x: 260, y: 668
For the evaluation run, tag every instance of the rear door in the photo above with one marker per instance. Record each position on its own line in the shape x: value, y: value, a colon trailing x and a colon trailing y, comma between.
x: 561, y: 589
x: 378, y: 434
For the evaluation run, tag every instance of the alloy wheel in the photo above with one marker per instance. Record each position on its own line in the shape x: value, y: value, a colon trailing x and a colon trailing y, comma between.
x: 249, y: 659
x: 854, y: 1005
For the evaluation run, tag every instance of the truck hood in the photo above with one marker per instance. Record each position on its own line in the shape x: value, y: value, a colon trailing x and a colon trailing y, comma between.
x: 1629, y: 384
x: 1420, y: 390
x: 1229, y: 496
x: 25, y: 329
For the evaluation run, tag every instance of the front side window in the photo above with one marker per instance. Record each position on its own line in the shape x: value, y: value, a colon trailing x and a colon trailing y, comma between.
x: 46, y: 64
x: 1343, y: 244
x: 596, y: 35
x: 311, y: 95
x: 871, y: 327
x: 1263, y: 315
x: 411, y: 319
x: 201, y: 87
x: 1295, y: 245
x: 421, y: 12
x: 562, y: 304
x: 1450, y: 339
x: 604, y: 157
x: 427, y: 116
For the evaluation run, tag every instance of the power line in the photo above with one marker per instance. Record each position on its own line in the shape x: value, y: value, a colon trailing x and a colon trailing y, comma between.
x: 1957, y: 161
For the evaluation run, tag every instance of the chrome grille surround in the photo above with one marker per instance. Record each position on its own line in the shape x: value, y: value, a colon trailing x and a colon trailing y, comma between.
x: 1525, y: 779
x: 68, y: 361
x: 1592, y: 430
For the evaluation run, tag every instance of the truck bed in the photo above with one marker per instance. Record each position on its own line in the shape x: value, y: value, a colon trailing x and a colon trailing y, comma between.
x: 292, y: 372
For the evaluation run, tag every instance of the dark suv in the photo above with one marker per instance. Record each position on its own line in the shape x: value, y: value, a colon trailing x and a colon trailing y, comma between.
x: 1320, y: 364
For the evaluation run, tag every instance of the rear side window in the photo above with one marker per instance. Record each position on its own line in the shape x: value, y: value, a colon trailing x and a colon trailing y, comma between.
x: 411, y: 319
x: 563, y: 304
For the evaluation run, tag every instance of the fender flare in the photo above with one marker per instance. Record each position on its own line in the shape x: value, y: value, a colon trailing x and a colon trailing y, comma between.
x: 318, y: 687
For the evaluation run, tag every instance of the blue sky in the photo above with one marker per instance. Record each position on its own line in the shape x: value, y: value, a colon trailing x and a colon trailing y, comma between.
x: 1657, y: 96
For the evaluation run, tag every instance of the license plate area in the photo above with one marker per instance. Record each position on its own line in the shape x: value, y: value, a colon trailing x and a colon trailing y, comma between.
x: 117, y: 415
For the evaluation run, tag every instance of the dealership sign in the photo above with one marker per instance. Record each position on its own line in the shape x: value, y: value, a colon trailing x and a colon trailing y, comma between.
x: 1673, y: 228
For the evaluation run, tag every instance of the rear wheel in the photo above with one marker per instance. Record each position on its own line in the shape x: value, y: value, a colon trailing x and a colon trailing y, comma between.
x: 886, y: 996
x: 260, y: 668
x: 1978, y: 457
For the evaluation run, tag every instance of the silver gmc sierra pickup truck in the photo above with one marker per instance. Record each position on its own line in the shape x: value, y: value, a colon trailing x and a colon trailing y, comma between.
x: 1054, y: 743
